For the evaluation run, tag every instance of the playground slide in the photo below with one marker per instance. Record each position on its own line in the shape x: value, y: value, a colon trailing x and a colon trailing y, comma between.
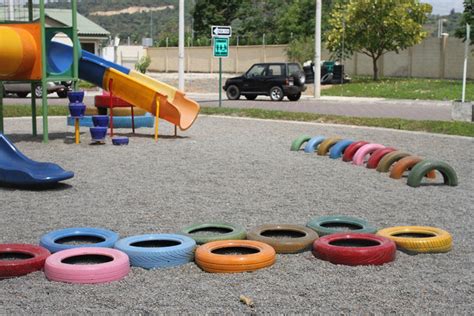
x: 139, y: 90
x: 17, y: 169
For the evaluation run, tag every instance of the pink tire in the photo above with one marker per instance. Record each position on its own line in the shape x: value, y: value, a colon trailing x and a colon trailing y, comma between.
x: 56, y: 269
x: 359, y: 157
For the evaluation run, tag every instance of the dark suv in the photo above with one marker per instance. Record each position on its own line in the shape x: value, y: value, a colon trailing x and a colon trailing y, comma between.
x: 276, y: 80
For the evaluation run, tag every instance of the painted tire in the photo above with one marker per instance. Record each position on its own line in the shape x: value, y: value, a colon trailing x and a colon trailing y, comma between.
x: 181, y: 252
x: 439, y: 240
x: 286, y: 244
x: 351, y: 150
x: 405, y: 164
x: 377, y: 156
x: 49, y: 241
x: 359, y: 157
x: 217, y: 263
x: 313, y: 144
x: 338, y: 149
x: 423, y: 167
x: 323, y: 149
x: 374, y: 250
x: 236, y: 232
x: 56, y: 270
x: 297, y: 143
x: 18, y: 267
x: 128, y: 112
x: 389, y: 159
x: 319, y: 225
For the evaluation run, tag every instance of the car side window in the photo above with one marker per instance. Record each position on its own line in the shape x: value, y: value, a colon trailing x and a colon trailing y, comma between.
x: 293, y: 68
x: 274, y: 70
x: 256, y: 71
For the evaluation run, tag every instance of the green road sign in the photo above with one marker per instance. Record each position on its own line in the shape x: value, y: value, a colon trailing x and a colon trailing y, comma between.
x: 221, y: 47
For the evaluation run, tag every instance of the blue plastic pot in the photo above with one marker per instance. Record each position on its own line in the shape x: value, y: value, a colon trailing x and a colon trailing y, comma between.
x: 120, y: 141
x: 75, y: 96
x: 77, y: 109
x: 98, y: 133
x: 100, y: 120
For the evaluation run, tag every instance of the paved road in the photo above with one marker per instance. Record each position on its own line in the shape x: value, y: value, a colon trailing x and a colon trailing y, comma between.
x: 346, y: 106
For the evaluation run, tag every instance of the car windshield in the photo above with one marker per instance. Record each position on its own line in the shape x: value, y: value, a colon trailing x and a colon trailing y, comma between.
x: 256, y: 71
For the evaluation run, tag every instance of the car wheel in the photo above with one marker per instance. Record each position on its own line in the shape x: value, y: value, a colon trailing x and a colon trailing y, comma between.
x: 22, y: 94
x: 250, y: 97
x: 62, y: 94
x: 233, y: 92
x: 294, y: 97
x: 276, y: 94
x: 38, y: 91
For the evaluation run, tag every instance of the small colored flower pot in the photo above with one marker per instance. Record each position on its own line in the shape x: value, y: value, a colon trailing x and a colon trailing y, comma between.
x: 98, y: 133
x: 77, y: 109
x: 100, y: 120
x: 75, y: 96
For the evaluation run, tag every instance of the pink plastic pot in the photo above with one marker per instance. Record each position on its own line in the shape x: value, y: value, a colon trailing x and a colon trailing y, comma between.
x: 56, y: 267
x: 359, y: 157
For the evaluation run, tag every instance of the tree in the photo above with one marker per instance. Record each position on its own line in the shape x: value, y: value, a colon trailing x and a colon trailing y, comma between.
x: 375, y: 27
x: 467, y: 18
x: 213, y: 12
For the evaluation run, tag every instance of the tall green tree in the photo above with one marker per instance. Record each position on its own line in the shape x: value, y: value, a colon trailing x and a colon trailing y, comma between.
x: 213, y: 12
x: 375, y: 27
x: 467, y: 18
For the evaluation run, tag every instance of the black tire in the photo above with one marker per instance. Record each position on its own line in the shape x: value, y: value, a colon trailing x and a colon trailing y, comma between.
x: 251, y: 97
x: 62, y: 94
x: 38, y: 91
x: 276, y: 93
x: 233, y: 92
x: 294, y: 97
x: 22, y: 94
x: 299, y: 78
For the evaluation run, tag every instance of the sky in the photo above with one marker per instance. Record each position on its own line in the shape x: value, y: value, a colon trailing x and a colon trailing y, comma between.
x: 443, y: 7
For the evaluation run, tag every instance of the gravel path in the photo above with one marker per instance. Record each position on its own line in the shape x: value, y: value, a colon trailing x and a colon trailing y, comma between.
x: 241, y: 171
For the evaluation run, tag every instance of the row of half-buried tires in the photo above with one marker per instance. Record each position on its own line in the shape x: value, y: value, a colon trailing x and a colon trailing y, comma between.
x: 379, y: 157
x: 356, y: 246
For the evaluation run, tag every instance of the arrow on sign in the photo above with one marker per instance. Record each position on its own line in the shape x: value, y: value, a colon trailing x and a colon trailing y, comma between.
x: 223, y: 31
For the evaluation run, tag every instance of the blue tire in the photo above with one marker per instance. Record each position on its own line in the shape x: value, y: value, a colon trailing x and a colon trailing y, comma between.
x: 337, y: 150
x: 178, y: 250
x: 50, y: 240
x: 313, y: 143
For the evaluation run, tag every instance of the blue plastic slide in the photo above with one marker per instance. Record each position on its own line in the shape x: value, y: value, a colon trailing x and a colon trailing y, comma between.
x: 17, y: 169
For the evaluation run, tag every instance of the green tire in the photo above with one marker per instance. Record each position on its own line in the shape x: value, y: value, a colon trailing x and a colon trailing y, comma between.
x: 423, y: 167
x: 389, y: 159
x: 326, y: 225
x: 235, y: 232
x: 296, y: 144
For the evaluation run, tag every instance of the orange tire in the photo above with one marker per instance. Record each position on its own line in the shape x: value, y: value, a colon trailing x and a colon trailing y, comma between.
x: 209, y: 261
x: 405, y: 164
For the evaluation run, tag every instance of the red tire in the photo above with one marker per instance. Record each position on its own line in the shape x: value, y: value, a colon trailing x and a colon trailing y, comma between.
x: 352, y: 149
x: 35, y: 257
x: 377, y: 155
x: 354, y: 249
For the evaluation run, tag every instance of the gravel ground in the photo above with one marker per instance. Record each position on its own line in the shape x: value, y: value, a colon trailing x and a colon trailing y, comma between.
x: 241, y: 171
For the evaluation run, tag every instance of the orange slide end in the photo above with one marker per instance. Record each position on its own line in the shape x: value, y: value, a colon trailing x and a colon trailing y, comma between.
x: 20, y: 51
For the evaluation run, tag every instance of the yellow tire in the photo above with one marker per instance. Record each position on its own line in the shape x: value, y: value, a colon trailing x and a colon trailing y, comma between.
x: 323, y: 149
x: 128, y: 111
x: 91, y: 111
x: 433, y: 240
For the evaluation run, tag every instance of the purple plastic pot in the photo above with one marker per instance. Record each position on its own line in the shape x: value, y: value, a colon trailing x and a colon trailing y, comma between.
x: 77, y: 109
x: 120, y: 141
x: 100, y: 120
x: 75, y: 96
x: 98, y: 133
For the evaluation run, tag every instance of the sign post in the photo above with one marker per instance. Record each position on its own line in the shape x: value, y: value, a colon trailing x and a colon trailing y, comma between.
x: 220, y: 35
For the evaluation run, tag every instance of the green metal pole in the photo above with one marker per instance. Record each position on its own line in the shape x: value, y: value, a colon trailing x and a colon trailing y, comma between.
x: 44, y: 78
x: 75, y: 41
x: 220, y: 81
x: 1, y: 107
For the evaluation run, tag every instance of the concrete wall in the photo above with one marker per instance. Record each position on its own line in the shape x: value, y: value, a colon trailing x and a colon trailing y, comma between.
x: 433, y: 58
x: 124, y: 55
